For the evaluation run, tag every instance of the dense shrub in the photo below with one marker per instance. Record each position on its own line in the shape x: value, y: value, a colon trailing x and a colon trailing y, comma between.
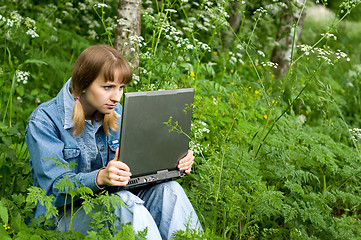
x: 275, y: 158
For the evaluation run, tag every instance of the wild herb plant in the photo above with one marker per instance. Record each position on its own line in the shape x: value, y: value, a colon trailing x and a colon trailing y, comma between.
x: 274, y: 157
x: 100, y: 207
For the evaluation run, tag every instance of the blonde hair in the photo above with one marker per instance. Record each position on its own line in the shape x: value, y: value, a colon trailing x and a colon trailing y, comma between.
x: 91, y: 62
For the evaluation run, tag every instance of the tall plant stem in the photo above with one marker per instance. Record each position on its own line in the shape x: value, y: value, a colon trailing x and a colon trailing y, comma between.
x: 103, y: 23
x: 203, y: 53
x: 215, y: 215
x: 155, y: 41
x: 289, y: 106
x: 247, y: 53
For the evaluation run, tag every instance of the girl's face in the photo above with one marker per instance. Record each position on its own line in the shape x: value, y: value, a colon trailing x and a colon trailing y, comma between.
x: 101, y: 96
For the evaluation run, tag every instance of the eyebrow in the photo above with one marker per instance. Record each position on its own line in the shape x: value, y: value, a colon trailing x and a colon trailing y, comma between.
x: 113, y: 83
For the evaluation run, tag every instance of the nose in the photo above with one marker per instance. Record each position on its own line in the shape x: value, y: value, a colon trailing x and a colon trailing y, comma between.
x: 117, y: 95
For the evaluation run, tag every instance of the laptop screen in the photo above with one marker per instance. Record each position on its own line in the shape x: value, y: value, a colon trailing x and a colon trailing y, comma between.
x: 155, y: 129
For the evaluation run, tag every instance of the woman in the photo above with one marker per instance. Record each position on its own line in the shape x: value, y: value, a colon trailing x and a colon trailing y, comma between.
x: 81, y: 125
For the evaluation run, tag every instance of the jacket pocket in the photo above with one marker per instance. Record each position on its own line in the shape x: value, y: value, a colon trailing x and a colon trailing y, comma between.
x: 112, y: 149
x: 71, y: 155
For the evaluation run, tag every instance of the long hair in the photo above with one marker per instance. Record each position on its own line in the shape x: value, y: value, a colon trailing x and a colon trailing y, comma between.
x: 95, y: 60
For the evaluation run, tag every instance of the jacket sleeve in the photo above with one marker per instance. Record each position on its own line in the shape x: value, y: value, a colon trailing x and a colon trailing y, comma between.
x: 43, y: 141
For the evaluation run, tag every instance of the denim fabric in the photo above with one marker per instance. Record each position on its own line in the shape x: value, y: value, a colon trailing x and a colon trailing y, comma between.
x: 162, y: 208
x: 49, y: 134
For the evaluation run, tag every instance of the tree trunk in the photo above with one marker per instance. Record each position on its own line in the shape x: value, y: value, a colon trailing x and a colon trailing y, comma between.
x: 128, y: 26
x: 282, y: 53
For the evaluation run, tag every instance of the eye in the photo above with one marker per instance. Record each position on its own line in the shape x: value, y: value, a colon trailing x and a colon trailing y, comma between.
x: 122, y: 87
x: 107, y: 87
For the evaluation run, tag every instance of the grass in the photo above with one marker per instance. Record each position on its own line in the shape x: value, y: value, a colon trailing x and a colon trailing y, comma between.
x: 274, y: 157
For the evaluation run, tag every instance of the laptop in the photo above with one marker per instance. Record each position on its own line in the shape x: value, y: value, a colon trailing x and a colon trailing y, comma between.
x: 154, y: 134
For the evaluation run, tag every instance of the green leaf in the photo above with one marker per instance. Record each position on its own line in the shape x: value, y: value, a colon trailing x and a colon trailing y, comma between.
x: 34, y: 92
x: 5, y: 172
x: 18, y: 199
x: 91, y: 236
x: 35, y: 237
x: 3, y: 234
x: 16, y: 221
x: 187, y: 66
x: 35, y: 61
x: 11, y: 153
x: 46, y: 86
x: 4, y: 213
x: 20, y: 90
x: 6, y: 140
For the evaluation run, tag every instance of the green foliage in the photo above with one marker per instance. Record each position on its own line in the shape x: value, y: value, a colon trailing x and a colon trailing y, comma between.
x: 274, y: 157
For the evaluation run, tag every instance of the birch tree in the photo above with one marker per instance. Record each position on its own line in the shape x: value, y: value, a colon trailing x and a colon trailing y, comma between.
x: 128, y: 30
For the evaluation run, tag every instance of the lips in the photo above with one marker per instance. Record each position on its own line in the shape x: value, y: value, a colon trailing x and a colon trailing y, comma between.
x: 110, y: 106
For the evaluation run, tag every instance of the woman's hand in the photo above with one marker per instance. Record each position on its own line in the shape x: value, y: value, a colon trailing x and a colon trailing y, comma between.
x: 116, y: 173
x: 186, y: 162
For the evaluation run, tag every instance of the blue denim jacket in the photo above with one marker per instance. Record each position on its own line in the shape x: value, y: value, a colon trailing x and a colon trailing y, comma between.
x: 49, y: 134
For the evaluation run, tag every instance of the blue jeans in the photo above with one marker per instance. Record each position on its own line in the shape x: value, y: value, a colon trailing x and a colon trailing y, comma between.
x: 162, y: 208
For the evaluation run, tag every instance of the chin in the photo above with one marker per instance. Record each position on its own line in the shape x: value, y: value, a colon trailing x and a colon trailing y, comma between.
x: 107, y: 112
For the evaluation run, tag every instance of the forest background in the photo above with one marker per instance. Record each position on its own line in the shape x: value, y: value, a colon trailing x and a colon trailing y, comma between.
x: 276, y: 139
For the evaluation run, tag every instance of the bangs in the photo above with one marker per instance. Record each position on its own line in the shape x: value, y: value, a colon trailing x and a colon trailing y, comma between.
x: 116, y: 70
x: 99, y: 60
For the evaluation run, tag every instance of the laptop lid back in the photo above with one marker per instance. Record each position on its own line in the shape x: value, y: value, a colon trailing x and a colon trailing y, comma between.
x: 154, y: 129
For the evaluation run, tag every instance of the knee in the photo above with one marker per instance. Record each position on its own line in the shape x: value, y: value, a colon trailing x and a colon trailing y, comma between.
x: 171, y: 187
x: 129, y: 198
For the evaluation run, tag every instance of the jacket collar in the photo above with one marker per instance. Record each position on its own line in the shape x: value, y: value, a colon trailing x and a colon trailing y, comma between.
x: 65, y: 102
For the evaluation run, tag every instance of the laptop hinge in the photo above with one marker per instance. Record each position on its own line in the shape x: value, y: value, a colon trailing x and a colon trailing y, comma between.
x: 162, y: 171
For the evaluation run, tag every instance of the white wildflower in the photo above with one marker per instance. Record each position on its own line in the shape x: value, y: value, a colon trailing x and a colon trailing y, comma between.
x: 355, y: 134
x: 53, y: 38
x: 22, y: 77
x: 352, y: 74
x: 233, y: 60
x: 135, y: 79
x: 215, y: 102
x: 349, y: 84
x: 260, y: 12
x: 69, y: 4
x: 16, y: 17
x: 305, y: 48
x: 329, y: 35
x: 82, y: 6
x: 32, y: 33
x: 261, y: 53
x: 93, y: 34
x: 301, y: 119
x: 10, y: 23
x: 123, y: 22
x: 101, y: 5
x: 30, y: 23
x: 196, y: 148
x: 171, y: 10
x: 269, y: 64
